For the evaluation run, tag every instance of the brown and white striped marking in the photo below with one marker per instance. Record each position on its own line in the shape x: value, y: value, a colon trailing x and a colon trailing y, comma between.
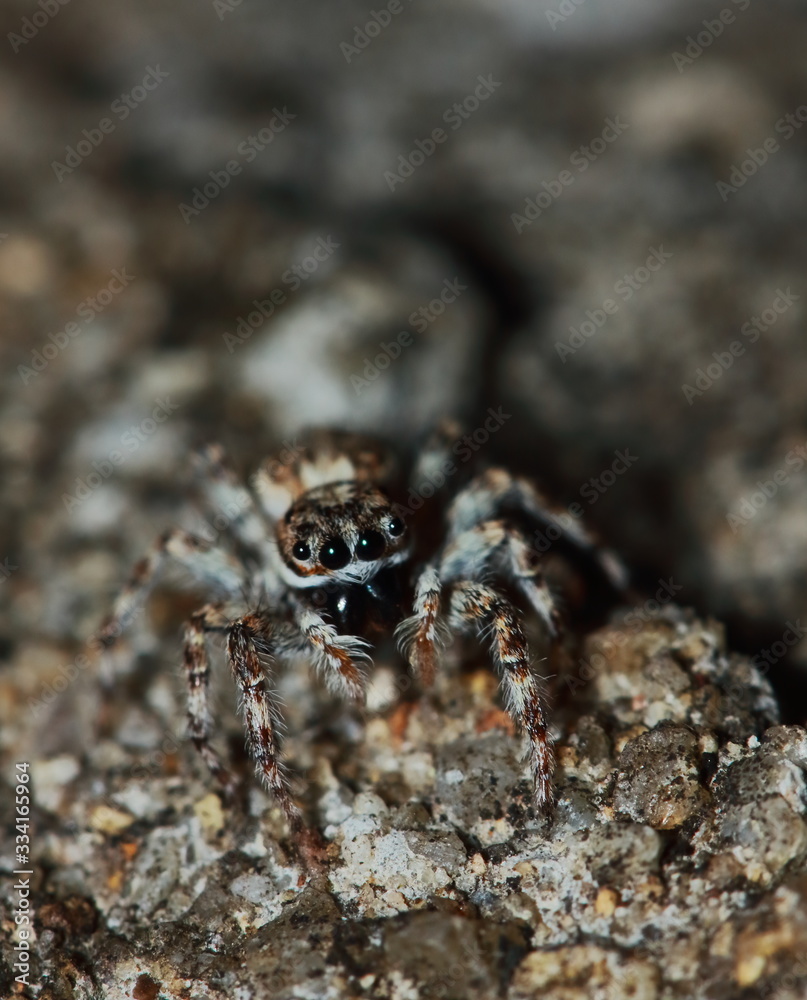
x: 245, y: 637
x: 421, y: 637
x: 197, y: 676
x: 477, y: 607
x: 335, y: 656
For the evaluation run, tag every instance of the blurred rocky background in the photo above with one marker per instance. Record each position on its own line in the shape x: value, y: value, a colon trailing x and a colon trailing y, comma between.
x: 232, y: 219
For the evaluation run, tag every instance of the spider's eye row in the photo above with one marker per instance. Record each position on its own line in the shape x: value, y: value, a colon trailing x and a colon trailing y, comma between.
x: 334, y: 554
x: 395, y: 527
x: 301, y: 551
x: 370, y: 545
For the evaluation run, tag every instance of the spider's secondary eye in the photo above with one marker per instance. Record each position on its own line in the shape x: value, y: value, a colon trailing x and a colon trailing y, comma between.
x: 334, y: 554
x: 301, y: 551
x: 395, y: 527
x: 370, y: 545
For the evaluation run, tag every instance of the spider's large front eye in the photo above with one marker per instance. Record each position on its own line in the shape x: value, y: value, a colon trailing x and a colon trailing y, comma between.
x: 334, y: 554
x: 370, y: 545
x: 301, y: 551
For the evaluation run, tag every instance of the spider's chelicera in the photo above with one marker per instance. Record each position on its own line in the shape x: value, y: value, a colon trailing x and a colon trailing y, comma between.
x: 318, y: 552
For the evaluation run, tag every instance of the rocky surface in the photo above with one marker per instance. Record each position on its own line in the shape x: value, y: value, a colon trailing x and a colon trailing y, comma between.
x: 673, y: 866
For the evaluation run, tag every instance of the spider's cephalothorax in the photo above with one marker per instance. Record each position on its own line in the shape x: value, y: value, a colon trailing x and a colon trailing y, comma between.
x: 316, y: 552
x: 345, y: 531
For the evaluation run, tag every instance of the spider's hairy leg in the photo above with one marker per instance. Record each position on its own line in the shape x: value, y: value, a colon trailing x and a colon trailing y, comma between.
x: 227, y: 496
x: 197, y: 675
x: 506, y: 548
x: 335, y: 655
x: 486, y: 495
x: 246, y: 638
x: 421, y: 636
x: 477, y: 607
x: 204, y: 562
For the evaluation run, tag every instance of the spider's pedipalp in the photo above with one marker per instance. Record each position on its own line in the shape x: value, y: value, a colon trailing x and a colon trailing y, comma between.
x: 245, y: 637
x: 495, y: 489
x: 197, y: 675
x: 421, y: 637
x: 480, y: 608
x: 335, y: 656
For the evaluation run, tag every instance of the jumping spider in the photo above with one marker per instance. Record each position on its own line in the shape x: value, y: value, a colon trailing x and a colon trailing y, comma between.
x: 316, y: 550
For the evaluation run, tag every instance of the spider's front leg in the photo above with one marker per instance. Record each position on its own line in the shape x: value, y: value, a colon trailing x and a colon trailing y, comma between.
x: 247, y: 637
x: 474, y: 606
x: 477, y: 607
x: 492, y: 543
x: 496, y: 489
x: 505, y: 548
x: 203, y: 561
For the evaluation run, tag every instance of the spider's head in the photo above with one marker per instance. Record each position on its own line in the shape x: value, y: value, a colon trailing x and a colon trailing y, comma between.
x: 344, y: 532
